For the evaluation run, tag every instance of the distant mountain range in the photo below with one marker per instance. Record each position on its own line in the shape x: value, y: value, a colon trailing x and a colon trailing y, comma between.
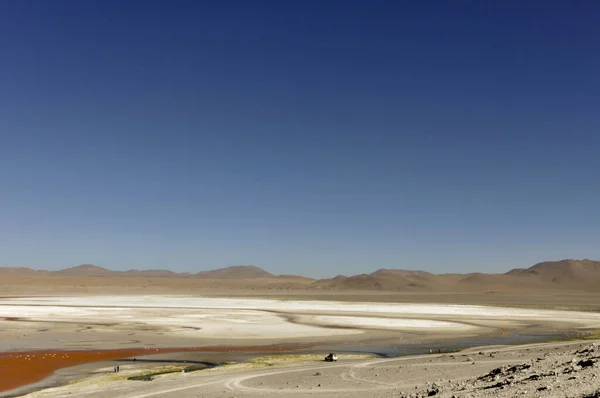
x: 236, y: 272
x: 89, y: 270
x: 581, y: 275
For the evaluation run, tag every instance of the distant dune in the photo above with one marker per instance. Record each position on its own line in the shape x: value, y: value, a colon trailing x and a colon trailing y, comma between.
x: 567, y: 275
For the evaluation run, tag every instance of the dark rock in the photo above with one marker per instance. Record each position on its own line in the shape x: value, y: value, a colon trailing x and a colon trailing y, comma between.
x: 534, y: 377
x: 504, y: 371
x: 592, y: 395
x: 589, y: 349
x: 518, y: 368
x: 586, y: 362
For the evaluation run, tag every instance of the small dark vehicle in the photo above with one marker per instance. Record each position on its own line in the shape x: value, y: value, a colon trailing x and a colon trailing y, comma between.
x: 331, y: 357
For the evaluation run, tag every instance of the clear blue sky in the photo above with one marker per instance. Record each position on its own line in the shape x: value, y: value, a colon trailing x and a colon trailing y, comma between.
x: 307, y: 137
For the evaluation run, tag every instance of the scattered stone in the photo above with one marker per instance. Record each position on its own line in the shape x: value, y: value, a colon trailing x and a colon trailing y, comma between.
x: 434, y: 390
x: 589, y: 349
x: 586, y: 362
x: 533, y: 377
x: 593, y: 395
x: 504, y: 371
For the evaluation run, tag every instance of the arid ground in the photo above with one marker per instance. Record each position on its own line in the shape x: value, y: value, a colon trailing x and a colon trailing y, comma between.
x: 91, y: 334
x: 63, y: 334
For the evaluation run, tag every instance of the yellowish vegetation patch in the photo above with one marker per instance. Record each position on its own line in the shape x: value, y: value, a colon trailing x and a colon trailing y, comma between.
x: 281, y: 360
x: 593, y: 335
x: 291, y: 359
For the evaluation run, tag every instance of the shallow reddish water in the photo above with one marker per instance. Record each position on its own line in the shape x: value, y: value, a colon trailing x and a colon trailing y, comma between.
x: 21, y: 368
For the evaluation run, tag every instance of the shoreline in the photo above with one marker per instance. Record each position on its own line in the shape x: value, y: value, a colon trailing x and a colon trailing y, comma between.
x: 280, y: 364
x: 124, y: 356
x: 68, y: 332
x: 23, y: 369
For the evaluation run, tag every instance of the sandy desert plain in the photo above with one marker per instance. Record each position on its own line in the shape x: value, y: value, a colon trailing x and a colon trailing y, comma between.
x: 242, y: 332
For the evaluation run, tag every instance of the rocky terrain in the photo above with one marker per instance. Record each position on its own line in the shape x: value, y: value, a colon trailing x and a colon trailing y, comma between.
x: 572, y: 373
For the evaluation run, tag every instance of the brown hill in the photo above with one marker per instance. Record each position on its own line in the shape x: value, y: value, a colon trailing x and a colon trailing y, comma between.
x: 95, y: 271
x: 411, y: 280
x: 392, y: 280
x: 551, y: 276
x: 566, y: 274
x: 89, y: 270
x: 153, y: 273
x: 584, y: 274
x: 403, y: 273
x: 236, y: 272
x: 21, y: 271
x: 85, y: 270
x: 340, y: 282
x: 295, y: 278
